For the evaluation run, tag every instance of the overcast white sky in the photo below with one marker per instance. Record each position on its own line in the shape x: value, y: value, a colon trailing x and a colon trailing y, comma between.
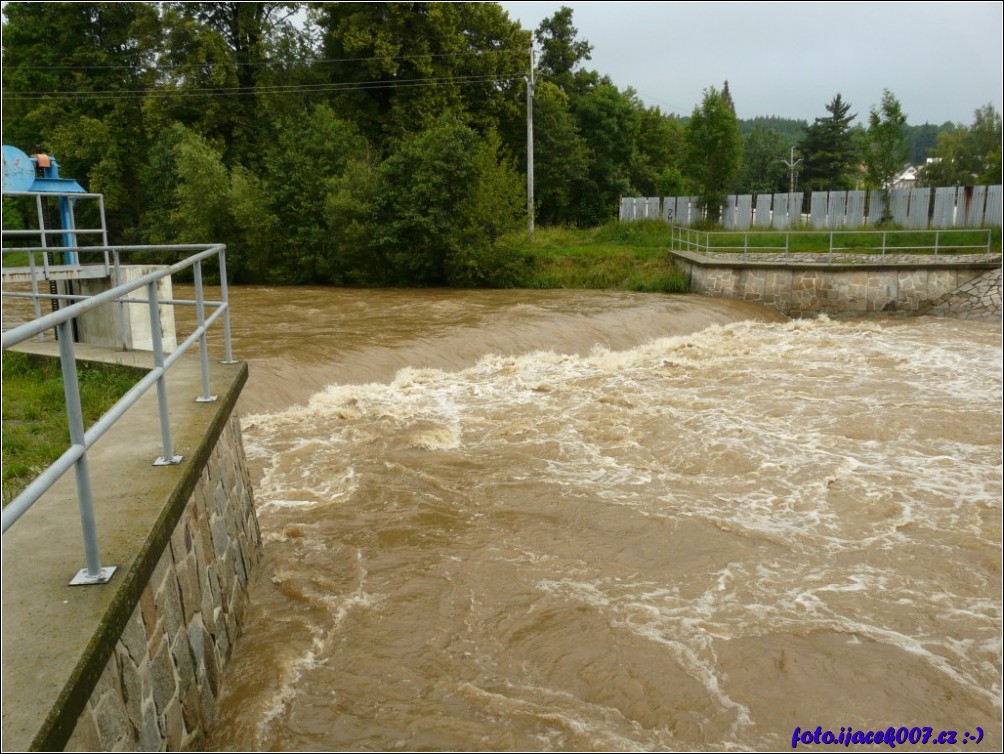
x: 941, y: 60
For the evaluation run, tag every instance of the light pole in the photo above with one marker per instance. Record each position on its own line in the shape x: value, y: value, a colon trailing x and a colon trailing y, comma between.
x: 531, y: 82
x: 792, y: 164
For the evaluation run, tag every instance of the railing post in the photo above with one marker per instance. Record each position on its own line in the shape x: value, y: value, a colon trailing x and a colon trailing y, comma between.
x: 200, y: 314
x: 168, y: 459
x: 120, y: 306
x: 93, y: 573
x: 883, y: 243
x: 746, y: 243
x: 225, y: 297
x: 34, y: 290
x: 831, y: 247
x: 937, y: 234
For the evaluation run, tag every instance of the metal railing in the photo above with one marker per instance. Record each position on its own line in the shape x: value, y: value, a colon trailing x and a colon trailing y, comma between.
x: 80, y: 440
x: 839, y: 241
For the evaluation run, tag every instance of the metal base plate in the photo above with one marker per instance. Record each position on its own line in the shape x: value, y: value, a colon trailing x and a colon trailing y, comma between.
x: 168, y: 461
x: 210, y: 399
x: 83, y: 578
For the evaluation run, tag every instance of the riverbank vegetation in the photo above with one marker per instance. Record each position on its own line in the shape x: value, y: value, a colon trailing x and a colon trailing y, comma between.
x: 625, y: 256
x: 35, y: 431
x: 385, y: 143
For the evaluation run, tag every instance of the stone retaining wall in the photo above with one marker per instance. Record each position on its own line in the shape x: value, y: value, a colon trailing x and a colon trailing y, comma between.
x: 805, y: 285
x: 158, y: 689
x: 980, y: 298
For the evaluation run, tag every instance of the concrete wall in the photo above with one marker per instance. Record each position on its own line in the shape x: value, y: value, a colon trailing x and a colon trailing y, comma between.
x: 800, y: 287
x: 101, y: 326
x: 158, y: 689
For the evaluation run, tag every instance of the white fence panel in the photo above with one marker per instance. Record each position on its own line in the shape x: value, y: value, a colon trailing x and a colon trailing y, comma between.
x: 761, y: 218
x: 639, y: 208
x: 975, y: 205
x: 795, y: 199
x: 944, y: 207
x: 877, y: 201
x: 744, y: 211
x: 836, y: 209
x: 920, y: 205
x: 992, y: 213
x: 817, y: 210
x: 899, y: 204
x: 622, y: 213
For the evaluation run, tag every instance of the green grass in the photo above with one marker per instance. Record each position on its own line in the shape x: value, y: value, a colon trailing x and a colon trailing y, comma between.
x: 624, y: 256
x: 35, y: 431
x: 633, y: 256
x: 18, y: 259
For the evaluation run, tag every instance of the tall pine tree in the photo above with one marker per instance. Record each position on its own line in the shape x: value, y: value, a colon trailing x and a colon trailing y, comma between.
x: 830, y: 156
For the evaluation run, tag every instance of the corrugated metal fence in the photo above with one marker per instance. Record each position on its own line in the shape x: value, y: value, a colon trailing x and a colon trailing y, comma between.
x: 947, y: 207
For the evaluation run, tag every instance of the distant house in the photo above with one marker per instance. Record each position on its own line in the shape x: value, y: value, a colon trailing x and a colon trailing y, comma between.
x: 905, y: 178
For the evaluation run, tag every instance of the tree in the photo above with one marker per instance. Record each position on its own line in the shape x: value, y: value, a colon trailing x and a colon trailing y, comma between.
x: 884, y: 146
x: 196, y: 64
x: 714, y: 151
x: 187, y: 187
x: 561, y: 50
x: 436, y: 212
x: 764, y: 169
x: 967, y: 155
x: 247, y: 30
x: 829, y: 153
x: 561, y: 159
x: 311, y: 152
x: 655, y: 170
x: 399, y: 67
x: 607, y: 122
x: 987, y: 141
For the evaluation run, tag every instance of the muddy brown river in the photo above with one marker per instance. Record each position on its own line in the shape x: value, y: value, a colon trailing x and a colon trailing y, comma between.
x: 569, y: 520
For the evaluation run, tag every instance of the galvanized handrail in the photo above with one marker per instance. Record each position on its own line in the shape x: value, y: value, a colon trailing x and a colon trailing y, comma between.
x: 80, y: 441
x: 682, y: 237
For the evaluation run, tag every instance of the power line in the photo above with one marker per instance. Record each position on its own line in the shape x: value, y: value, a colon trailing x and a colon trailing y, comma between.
x: 319, y: 61
x: 291, y: 89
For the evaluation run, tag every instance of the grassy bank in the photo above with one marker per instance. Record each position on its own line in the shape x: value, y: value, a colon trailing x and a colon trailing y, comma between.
x: 626, y: 256
x: 34, y: 411
x: 632, y: 256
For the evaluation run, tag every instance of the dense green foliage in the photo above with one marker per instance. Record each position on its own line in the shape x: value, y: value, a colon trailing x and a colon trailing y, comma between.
x: 372, y: 143
x: 35, y: 431
x: 714, y: 150
x: 965, y: 155
x: 884, y: 144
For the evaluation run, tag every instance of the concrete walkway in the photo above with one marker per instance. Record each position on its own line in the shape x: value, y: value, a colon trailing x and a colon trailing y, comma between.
x: 49, y: 628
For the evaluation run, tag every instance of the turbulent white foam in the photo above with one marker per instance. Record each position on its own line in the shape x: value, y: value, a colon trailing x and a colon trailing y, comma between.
x: 850, y: 472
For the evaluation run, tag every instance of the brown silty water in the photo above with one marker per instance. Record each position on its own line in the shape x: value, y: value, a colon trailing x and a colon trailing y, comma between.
x: 557, y: 520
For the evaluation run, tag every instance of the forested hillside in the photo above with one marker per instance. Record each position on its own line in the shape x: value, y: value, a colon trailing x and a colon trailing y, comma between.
x: 366, y: 143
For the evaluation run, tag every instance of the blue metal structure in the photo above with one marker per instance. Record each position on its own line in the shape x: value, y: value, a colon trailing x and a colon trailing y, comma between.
x: 39, y: 174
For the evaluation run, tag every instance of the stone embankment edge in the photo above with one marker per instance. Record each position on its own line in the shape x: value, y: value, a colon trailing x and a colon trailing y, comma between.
x: 58, y: 727
x: 964, y: 286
